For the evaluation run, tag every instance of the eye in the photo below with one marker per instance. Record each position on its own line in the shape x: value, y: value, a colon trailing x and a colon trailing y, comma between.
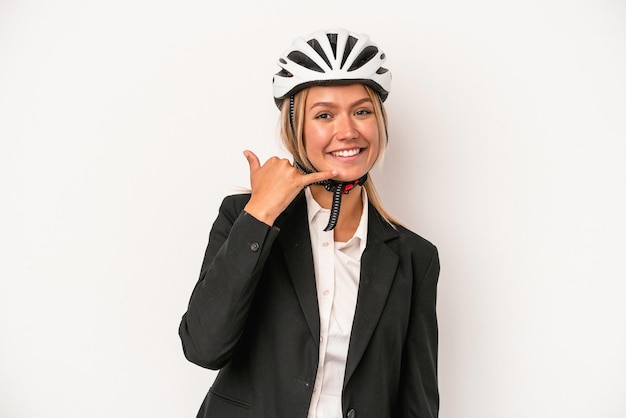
x: 362, y: 112
x: 323, y: 115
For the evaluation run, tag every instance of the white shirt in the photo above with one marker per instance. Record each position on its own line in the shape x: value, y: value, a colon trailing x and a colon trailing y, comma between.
x: 337, y: 270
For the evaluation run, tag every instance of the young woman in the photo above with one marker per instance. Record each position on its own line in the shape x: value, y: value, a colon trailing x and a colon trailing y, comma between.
x: 312, y: 301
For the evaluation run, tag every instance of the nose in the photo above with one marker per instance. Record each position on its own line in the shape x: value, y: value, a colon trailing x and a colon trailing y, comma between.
x: 346, y: 128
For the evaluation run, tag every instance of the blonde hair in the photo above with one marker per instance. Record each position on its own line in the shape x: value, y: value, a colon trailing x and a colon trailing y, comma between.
x: 294, y: 141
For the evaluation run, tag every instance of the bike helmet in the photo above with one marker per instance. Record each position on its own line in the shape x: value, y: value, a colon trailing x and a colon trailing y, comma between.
x: 331, y: 57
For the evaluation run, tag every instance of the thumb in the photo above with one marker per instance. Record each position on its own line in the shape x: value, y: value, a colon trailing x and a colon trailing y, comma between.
x: 319, y: 176
x: 253, y: 160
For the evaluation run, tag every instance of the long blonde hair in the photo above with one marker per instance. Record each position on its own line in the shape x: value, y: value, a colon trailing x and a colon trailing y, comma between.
x: 294, y: 141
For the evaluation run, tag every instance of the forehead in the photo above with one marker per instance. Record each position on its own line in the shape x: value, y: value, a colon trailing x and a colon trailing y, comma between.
x: 346, y: 94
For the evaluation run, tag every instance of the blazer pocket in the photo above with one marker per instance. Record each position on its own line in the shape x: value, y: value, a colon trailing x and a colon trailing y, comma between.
x: 219, y: 400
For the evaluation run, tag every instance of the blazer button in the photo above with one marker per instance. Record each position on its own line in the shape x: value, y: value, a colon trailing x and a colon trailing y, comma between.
x: 254, y: 246
x: 351, y: 414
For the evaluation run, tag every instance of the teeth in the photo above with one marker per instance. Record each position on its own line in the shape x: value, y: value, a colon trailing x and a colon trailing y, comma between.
x: 346, y: 153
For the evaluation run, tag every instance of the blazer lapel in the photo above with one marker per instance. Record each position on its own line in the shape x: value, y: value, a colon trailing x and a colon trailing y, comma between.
x: 296, y: 246
x: 378, y: 268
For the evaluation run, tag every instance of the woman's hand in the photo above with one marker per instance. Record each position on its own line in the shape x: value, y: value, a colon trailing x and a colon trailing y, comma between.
x: 275, y: 184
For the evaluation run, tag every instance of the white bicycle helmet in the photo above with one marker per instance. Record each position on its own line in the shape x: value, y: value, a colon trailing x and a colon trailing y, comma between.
x: 331, y: 57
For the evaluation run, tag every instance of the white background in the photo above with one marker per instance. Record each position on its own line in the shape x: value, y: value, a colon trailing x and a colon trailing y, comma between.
x: 122, y: 125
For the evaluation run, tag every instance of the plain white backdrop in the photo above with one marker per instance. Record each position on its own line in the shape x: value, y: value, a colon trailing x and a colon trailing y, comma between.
x: 122, y: 126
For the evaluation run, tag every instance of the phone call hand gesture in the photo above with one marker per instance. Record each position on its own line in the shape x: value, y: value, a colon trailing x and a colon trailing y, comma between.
x: 275, y: 184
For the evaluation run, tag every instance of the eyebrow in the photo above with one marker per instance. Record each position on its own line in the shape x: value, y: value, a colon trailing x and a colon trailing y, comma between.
x: 332, y: 104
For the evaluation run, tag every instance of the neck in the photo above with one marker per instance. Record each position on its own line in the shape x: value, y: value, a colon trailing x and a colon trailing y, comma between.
x: 351, y: 209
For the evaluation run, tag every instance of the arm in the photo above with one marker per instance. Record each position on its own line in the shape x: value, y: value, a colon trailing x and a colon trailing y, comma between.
x: 214, y: 322
x: 419, y: 396
x: 239, y: 244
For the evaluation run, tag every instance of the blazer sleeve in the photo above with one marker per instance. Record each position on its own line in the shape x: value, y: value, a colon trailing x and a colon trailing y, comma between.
x: 218, y: 308
x: 419, y: 393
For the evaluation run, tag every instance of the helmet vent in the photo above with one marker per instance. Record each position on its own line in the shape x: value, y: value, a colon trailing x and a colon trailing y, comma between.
x: 332, y: 38
x: 318, y: 48
x: 301, y: 59
x: 364, y: 57
x: 284, y: 73
x: 349, y: 46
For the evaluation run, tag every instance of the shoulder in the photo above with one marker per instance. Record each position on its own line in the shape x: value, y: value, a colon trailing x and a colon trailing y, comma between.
x: 234, y: 203
x: 404, y: 241
x: 417, y: 243
x: 420, y: 253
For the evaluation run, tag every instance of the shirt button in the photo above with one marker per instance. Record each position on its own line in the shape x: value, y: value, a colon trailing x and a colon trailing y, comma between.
x: 254, y: 246
x: 325, y: 244
x: 326, y: 292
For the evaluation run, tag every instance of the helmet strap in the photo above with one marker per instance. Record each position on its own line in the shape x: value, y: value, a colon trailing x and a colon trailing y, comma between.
x: 380, y: 100
x: 338, y: 188
x: 291, y: 110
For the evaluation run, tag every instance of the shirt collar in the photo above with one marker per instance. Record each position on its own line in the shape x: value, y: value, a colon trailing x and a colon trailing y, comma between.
x: 318, y: 217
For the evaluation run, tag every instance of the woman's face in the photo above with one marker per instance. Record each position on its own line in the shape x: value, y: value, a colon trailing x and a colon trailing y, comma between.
x: 341, y: 130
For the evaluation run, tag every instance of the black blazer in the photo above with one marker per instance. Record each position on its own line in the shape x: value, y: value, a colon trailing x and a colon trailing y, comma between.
x: 254, y: 316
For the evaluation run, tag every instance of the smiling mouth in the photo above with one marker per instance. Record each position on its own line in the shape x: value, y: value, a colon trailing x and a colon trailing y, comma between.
x: 346, y: 152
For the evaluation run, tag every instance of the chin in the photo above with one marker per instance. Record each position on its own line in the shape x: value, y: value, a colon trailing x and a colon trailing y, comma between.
x: 351, y: 177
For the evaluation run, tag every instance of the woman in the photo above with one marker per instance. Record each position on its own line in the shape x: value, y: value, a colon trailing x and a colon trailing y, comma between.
x: 312, y: 301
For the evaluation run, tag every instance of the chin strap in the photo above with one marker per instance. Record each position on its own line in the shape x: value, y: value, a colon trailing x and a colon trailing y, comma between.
x: 338, y: 188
